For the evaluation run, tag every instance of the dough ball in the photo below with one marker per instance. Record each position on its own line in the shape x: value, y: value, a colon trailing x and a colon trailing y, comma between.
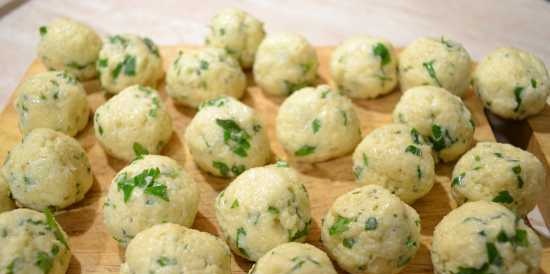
x: 126, y: 60
x: 512, y: 83
x: 32, y: 243
x: 226, y: 137
x: 69, y: 45
x: 6, y: 203
x: 396, y: 157
x: 500, y: 173
x: 173, y: 249
x: 263, y: 208
x: 132, y: 123
x: 294, y: 258
x: 203, y: 74
x: 238, y: 33
x: 47, y: 169
x: 364, y: 67
x: 484, y: 237
x: 285, y: 63
x: 369, y: 230
x: 436, y: 62
x: 317, y: 124
x: 441, y: 117
x: 53, y: 100
x: 151, y: 190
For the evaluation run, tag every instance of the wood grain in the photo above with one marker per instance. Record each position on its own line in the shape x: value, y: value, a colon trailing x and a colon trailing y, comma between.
x: 94, y: 250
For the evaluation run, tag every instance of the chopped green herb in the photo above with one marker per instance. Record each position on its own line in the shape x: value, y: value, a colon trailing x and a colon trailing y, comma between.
x: 344, y: 116
x: 151, y: 46
x: 365, y: 160
x: 371, y: 223
x: 222, y: 31
x: 304, y: 150
x: 493, y: 254
x: 203, y: 65
x: 221, y: 167
x: 415, y: 136
x: 157, y: 190
x: 533, y: 83
x: 241, y: 233
x: 117, y: 39
x: 440, y: 138
x: 234, y: 136
x: 498, y: 154
x: 348, y: 242
x: 518, y: 91
x: 429, y: 66
x: 235, y: 204
x: 216, y: 102
x: 128, y: 66
x: 458, y: 180
x: 76, y: 65
x: 298, y: 265
x: 418, y: 172
x: 154, y: 107
x: 339, y: 226
x: 503, y: 197
x: 470, y: 270
x: 43, y: 30
x: 53, y: 226
x: 292, y: 87
x: 164, y: 261
x: 381, y: 51
x: 147, y: 179
x: 256, y: 128
x: 273, y: 210
x: 520, y: 239
x: 300, y: 233
x: 44, y: 262
x: 103, y: 62
x: 446, y: 42
x: 306, y: 67
x: 414, y: 150
x: 281, y: 163
x: 139, y: 150
x: 315, y: 125
x: 502, y: 237
x: 517, y: 172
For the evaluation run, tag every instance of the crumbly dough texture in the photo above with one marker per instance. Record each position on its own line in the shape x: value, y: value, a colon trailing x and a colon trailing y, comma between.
x: 69, y: 45
x: 53, y: 99
x: 6, y: 203
x: 295, y: 258
x: 364, y: 67
x: 238, y: 33
x: 126, y: 60
x: 263, y: 208
x: 512, y: 83
x: 441, y: 117
x: 174, y: 249
x: 151, y: 190
x: 439, y: 62
x: 484, y: 237
x: 203, y: 74
x: 369, y: 230
x: 32, y: 243
x: 47, y: 169
x: 226, y: 137
x: 133, y: 121
x: 285, y: 62
x: 501, y: 173
x: 317, y: 124
x: 396, y: 157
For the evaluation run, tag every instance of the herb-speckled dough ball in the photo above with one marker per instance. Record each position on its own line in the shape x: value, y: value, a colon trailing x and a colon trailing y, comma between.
x: 396, y: 157
x: 294, y: 258
x: 32, y: 243
x: 6, y: 202
x: 199, y: 75
x: 439, y: 116
x: 238, y: 33
x: 512, y: 83
x: 317, y: 124
x: 226, y: 137
x: 126, y: 60
x: 484, y: 237
x: 133, y: 121
x: 436, y: 62
x: 53, y: 100
x: 69, y: 45
x: 285, y: 63
x: 500, y: 173
x: 151, y: 190
x: 364, y: 67
x: 369, y: 230
x: 47, y: 169
x: 174, y: 249
x: 263, y: 208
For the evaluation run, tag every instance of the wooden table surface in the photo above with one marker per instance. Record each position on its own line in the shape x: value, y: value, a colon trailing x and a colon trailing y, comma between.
x: 479, y: 25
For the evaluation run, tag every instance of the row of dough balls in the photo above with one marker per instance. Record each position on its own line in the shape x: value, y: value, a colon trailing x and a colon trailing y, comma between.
x: 367, y: 230
x: 511, y: 83
x: 226, y: 137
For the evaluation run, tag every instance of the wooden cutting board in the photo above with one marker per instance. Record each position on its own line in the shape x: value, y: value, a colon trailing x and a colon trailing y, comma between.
x: 95, y: 252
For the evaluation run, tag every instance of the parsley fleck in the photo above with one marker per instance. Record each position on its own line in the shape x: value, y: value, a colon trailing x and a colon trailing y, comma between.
x: 458, y: 180
x: 147, y: 179
x: 371, y: 223
x: 300, y: 233
x: 518, y: 91
x: 305, y: 150
x: 316, y: 125
x: 241, y: 233
x: 273, y: 210
x: 493, y: 254
x: 128, y: 66
x: 414, y: 150
x: 429, y: 66
x: 44, y: 262
x: 234, y: 136
x: 503, y: 197
x: 139, y: 150
x: 348, y: 242
x: 53, y: 226
x: 517, y: 172
x: 440, y: 138
x: 203, y: 65
x: 533, y: 83
x: 43, y: 30
x: 235, y: 204
x: 381, y: 51
x: 415, y: 136
x: 339, y: 226
x: 151, y: 46
x: 221, y: 167
x: 216, y: 102
x: 103, y: 62
x: 281, y: 163
x: 164, y: 261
